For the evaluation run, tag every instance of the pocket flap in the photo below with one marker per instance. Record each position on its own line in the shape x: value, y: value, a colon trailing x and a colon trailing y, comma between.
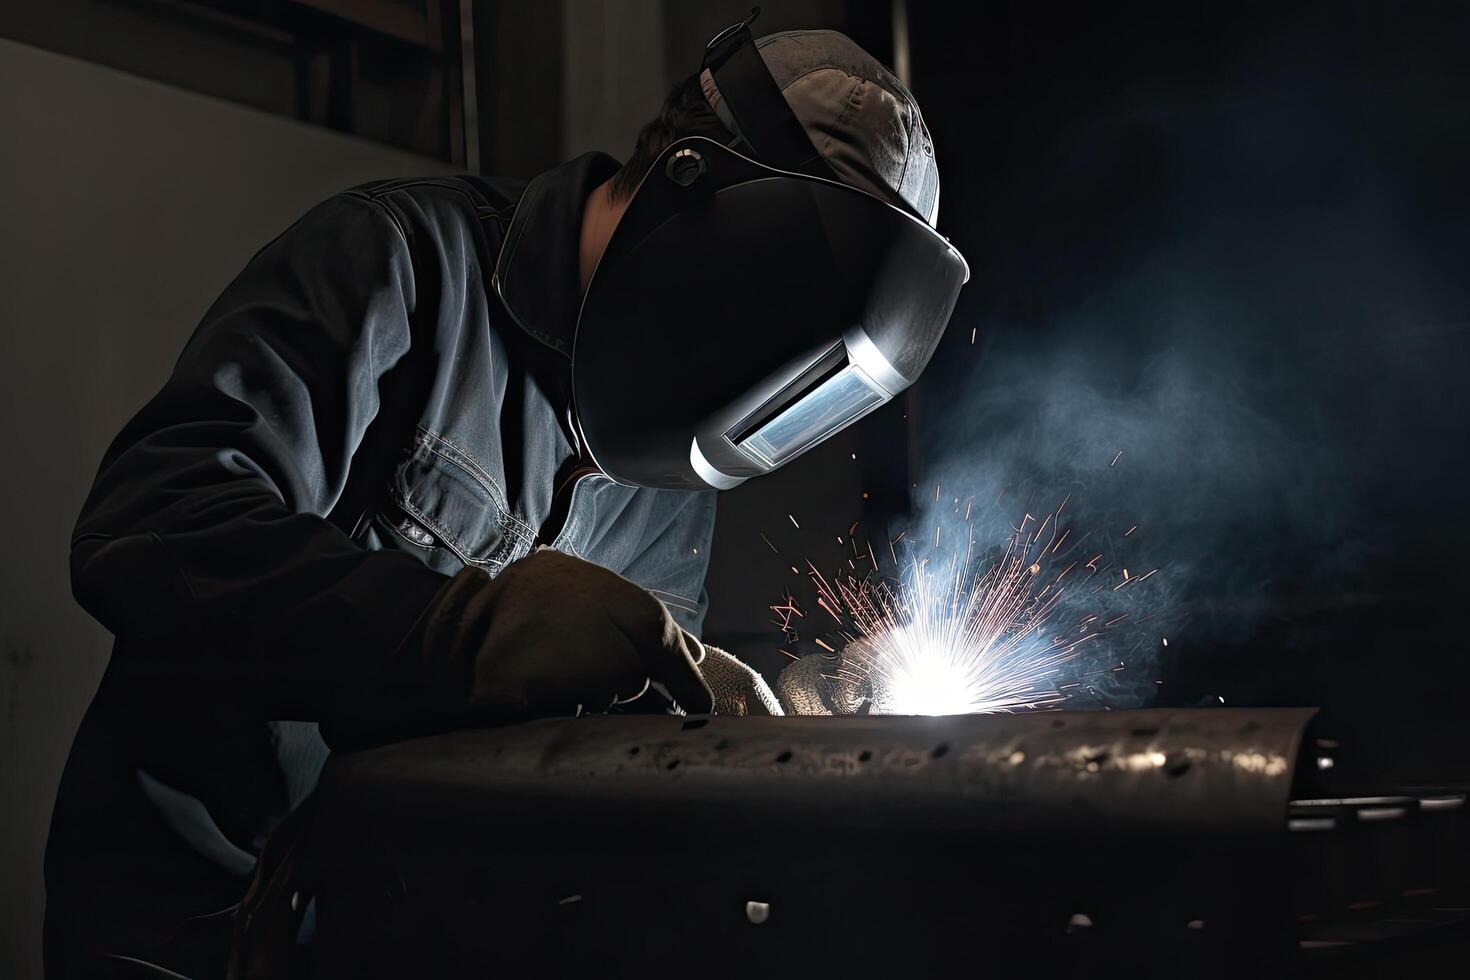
x: 457, y: 502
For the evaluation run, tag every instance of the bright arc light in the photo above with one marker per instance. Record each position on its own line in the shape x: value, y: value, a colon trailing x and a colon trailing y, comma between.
x: 925, y: 683
x: 963, y: 637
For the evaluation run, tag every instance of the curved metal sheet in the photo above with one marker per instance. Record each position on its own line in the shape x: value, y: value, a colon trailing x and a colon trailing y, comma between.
x: 1197, y: 771
x: 791, y: 846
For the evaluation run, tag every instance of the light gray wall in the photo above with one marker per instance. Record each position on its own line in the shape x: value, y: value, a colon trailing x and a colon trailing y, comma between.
x: 125, y: 206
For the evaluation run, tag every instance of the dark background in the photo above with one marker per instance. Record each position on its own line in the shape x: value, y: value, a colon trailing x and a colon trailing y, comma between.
x: 1232, y: 244
x: 1226, y: 240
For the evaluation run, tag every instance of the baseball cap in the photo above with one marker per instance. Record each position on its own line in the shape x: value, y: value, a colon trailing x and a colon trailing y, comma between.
x: 859, y: 117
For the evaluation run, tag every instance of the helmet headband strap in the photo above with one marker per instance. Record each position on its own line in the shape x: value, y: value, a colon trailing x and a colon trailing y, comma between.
x: 767, y: 124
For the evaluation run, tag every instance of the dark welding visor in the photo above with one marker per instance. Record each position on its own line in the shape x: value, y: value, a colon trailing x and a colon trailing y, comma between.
x: 746, y: 309
x: 742, y: 314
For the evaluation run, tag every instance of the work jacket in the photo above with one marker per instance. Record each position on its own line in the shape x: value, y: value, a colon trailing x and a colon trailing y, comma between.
x: 377, y: 401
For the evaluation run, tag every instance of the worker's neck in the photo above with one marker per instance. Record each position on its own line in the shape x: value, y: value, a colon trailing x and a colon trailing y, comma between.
x: 600, y: 216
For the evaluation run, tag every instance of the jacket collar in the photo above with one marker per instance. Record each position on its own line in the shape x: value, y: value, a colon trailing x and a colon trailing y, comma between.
x: 537, y: 275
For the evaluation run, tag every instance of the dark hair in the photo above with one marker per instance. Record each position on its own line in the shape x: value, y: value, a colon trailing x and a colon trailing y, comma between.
x: 685, y: 113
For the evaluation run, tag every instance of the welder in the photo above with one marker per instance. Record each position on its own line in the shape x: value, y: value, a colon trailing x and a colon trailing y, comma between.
x: 444, y: 454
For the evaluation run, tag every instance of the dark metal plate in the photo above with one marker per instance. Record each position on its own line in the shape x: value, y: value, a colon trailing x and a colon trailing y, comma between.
x: 740, y: 845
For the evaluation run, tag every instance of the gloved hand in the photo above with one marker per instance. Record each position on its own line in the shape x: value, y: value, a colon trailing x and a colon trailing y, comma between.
x: 812, y: 686
x: 738, y: 689
x: 554, y: 634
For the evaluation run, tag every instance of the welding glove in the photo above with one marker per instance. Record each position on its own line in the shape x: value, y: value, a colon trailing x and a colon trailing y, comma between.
x: 554, y: 634
x: 811, y: 686
x: 737, y: 689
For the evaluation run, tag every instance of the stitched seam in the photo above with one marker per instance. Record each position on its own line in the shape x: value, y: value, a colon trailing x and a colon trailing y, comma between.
x: 675, y: 595
x: 509, y: 534
x: 846, y: 109
x: 387, y: 212
x: 504, y: 520
x: 387, y: 187
x: 446, y: 537
x: 455, y: 188
x: 909, y: 111
x: 380, y: 199
x: 513, y: 241
x: 829, y: 66
x: 912, y: 118
x: 906, y: 100
x: 394, y: 187
x: 494, y: 557
x: 447, y: 450
x: 573, y: 523
x: 512, y: 235
x: 813, y: 71
x: 492, y: 491
x: 682, y: 601
x: 509, y: 525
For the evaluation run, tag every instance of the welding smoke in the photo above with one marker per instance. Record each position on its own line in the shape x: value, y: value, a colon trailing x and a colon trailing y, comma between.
x: 1261, y: 303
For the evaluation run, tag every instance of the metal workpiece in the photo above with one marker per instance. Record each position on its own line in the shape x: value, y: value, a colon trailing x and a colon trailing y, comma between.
x: 778, y: 846
x: 1150, y: 771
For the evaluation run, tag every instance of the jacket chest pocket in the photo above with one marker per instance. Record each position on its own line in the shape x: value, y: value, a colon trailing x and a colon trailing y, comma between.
x: 447, y: 509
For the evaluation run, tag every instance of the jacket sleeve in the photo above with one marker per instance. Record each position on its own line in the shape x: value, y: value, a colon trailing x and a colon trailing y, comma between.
x: 204, y: 543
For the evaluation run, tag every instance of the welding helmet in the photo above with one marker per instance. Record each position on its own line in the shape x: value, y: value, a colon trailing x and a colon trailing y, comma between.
x: 750, y: 304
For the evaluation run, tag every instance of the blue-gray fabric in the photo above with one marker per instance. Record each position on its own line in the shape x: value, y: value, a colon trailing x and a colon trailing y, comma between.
x: 378, y: 400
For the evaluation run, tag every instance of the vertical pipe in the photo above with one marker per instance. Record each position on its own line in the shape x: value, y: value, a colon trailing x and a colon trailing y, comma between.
x: 903, y: 68
x: 901, y: 64
x: 469, y: 104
